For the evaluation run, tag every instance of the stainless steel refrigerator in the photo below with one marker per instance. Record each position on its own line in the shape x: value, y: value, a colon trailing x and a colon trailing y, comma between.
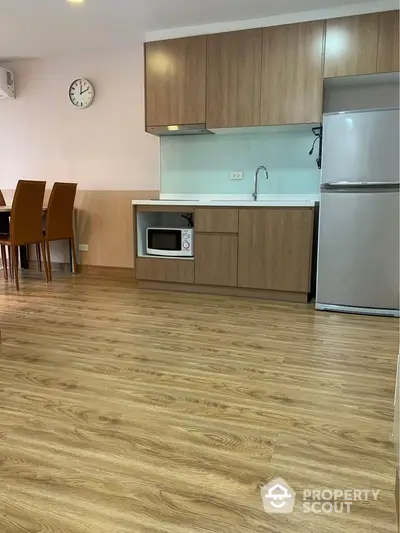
x: 358, y: 249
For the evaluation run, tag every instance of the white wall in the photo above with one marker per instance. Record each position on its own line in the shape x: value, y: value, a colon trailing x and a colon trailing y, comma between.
x: 370, y: 6
x: 42, y: 136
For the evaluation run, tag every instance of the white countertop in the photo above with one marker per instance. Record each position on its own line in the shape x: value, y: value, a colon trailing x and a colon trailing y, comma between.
x: 265, y: 200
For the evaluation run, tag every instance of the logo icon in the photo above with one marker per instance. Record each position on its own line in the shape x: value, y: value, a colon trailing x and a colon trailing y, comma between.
x: 278, y: 497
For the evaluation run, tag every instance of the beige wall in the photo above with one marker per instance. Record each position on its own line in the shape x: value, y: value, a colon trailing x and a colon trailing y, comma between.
x: 42, y: 135
x: 104, y: 221
x: 103, y: 148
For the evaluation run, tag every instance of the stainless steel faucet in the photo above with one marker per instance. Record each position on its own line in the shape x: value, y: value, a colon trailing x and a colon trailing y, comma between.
x: 255, y: 191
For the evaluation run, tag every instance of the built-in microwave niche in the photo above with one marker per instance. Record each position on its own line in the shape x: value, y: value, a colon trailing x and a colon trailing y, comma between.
x: 160, y: 219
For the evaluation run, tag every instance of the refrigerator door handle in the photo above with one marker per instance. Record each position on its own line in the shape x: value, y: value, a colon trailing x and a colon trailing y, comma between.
x: 361, y: 184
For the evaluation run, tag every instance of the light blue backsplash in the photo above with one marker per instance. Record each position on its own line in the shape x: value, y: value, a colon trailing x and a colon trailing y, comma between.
x: 202, y: 164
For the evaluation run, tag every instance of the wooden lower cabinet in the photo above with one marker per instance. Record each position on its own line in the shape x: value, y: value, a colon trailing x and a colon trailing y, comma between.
x: 275, y: 248
x: 171, y: 270
x: 270, y: 256
x: 216, y: 259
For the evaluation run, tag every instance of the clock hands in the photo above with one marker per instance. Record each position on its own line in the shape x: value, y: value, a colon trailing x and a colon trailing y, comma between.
x: 77, y: 93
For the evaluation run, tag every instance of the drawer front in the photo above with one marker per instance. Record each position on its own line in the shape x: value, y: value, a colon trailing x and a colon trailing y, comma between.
x: 216, y: 220
x: 172, y: 270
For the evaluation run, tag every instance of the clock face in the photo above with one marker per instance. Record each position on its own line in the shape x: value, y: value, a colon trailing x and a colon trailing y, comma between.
x: 81, y: 93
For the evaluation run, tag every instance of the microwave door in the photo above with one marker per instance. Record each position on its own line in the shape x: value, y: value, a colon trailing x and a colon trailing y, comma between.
x: 164, y: 242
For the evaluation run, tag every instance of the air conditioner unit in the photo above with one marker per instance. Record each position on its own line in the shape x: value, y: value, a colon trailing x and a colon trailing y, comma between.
x: 7, y: 87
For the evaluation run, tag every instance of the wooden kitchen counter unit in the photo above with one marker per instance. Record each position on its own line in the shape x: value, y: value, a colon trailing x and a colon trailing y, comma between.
x: 252, y: 250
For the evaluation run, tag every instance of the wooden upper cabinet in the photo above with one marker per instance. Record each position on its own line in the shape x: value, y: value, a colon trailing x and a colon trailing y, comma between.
x: 351, y: 45
x: 292, y: 73
x: 234, y: 79
x: 388, y: 46
x: 176, y: 81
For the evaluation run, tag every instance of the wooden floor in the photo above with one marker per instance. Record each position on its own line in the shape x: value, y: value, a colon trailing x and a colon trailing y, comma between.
x: 124, y: 411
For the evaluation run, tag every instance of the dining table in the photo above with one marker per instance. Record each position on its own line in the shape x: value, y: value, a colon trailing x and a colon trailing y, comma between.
x: 6, y: 209
x: 5, y: 212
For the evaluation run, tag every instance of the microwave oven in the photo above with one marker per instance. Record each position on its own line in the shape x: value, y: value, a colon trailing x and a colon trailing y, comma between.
x: 170, y: 242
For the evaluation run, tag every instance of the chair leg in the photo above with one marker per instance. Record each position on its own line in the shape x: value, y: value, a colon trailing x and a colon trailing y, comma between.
x: 46, y: 270
x: 49, y: 261
x: 14, y: 253
x: 4, y: 261
x: 11, y: 262
x: 38, y: 256
x: 71, y: 267
x: 75, y: 264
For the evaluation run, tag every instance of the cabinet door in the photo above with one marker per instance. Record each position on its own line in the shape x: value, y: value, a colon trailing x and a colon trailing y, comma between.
x: 275, y: 248
x: 176, y: 81
x: 292, y: 73
x: 215, y: 258
x: 234, y: 79
x: 388, y: 47
x: 351, y: 45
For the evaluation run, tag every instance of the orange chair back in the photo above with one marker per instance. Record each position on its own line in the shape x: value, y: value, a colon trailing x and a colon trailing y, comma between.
x: 2, y: 201
x: 60, y: 212
x: 26, y: 212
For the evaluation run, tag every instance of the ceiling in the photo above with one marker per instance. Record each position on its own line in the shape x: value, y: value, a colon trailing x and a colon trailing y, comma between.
x: 37, y: 28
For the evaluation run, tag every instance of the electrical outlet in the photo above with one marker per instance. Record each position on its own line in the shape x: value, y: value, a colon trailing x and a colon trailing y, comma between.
x: 83, y: 247
x: 236, y: 175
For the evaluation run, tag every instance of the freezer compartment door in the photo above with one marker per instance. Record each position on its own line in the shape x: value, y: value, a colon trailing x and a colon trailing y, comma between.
x: 358, y: 254
x: 361, y: 147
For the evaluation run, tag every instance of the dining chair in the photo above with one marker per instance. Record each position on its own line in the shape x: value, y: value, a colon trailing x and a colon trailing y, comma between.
x: 4, y: 230
x: 60, y: 219
x: 3, y: 257
x: 25, y: 223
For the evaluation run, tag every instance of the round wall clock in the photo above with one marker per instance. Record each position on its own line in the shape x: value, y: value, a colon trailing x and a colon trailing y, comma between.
x: 81, y: 93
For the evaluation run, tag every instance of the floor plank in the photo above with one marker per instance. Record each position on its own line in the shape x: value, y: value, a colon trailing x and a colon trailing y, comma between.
x: 153, y: 412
